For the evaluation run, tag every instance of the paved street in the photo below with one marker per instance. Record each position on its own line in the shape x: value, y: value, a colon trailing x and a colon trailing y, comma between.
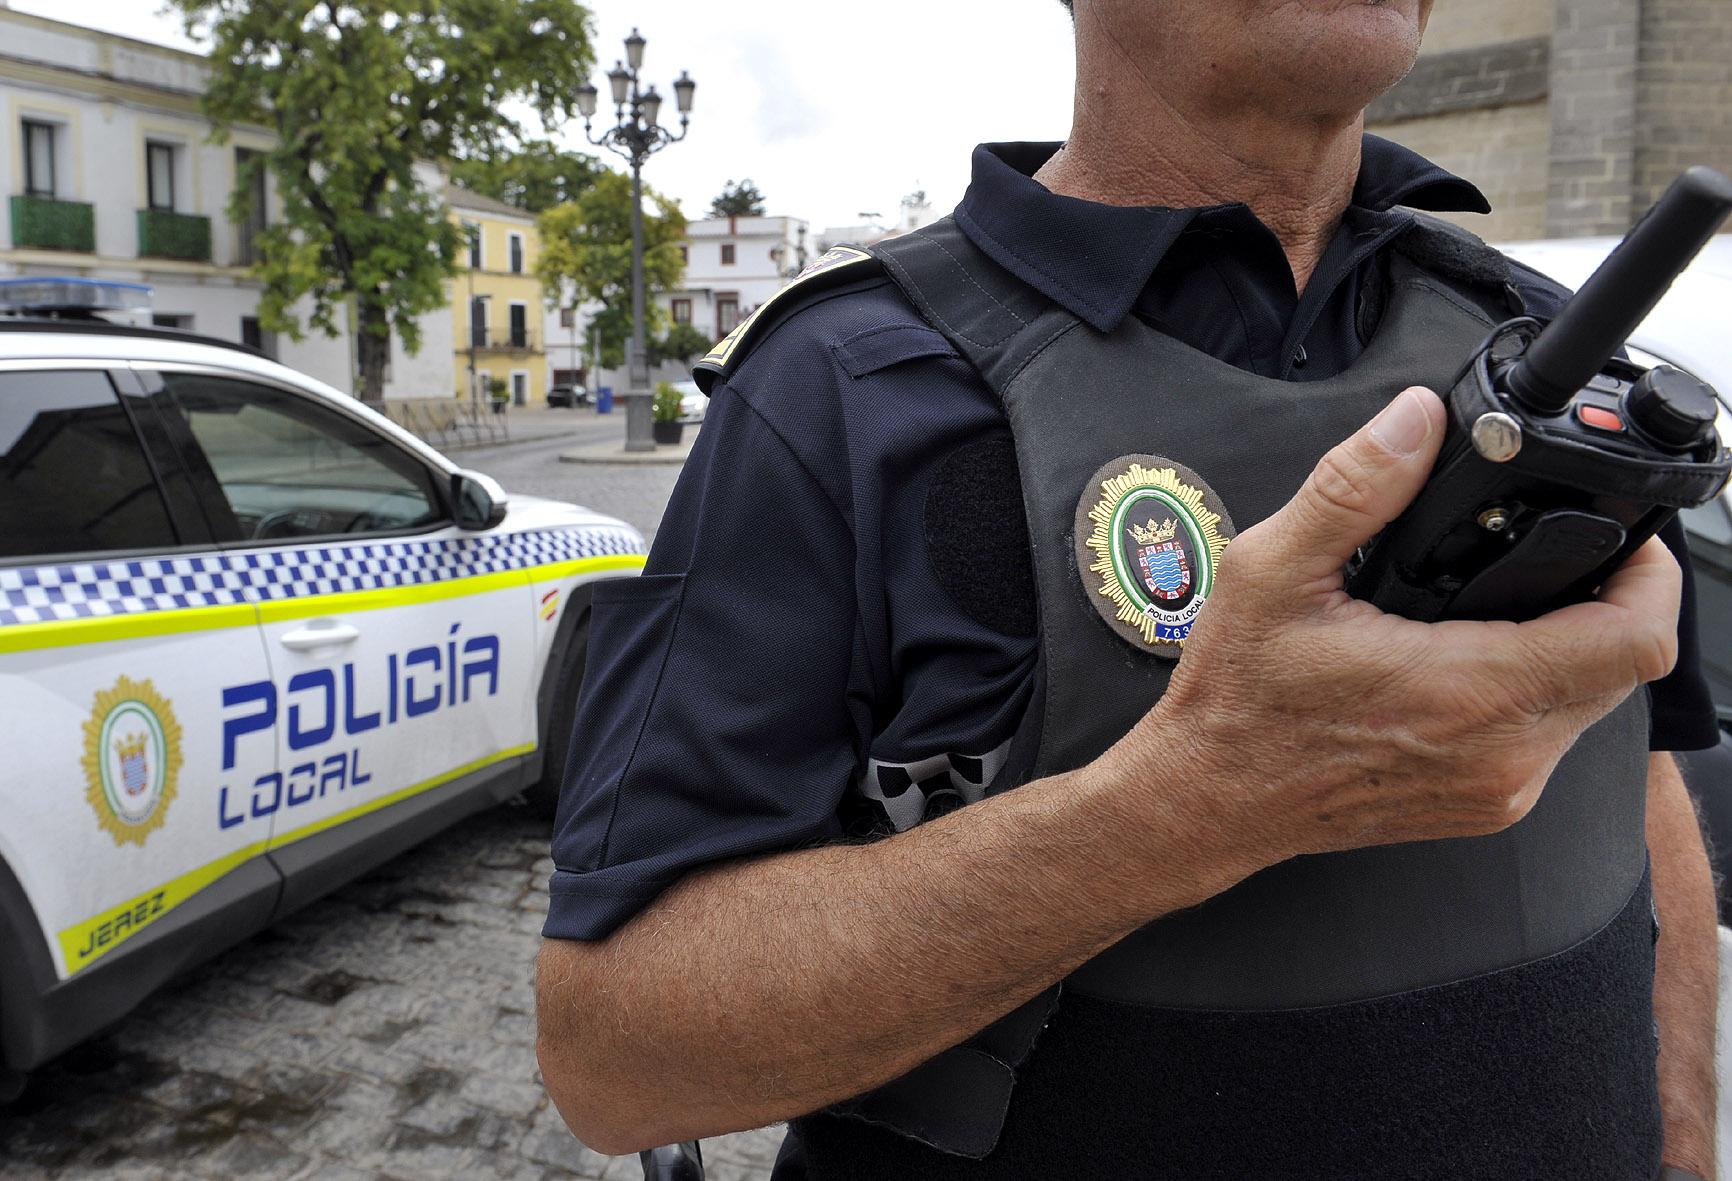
x: 384, y: 1032
x: 634, y: 493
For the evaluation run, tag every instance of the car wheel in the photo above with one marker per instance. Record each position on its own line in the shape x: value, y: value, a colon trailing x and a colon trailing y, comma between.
x: 543, y: 795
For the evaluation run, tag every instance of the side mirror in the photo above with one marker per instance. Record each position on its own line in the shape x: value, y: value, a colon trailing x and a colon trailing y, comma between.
x: 479, y: 500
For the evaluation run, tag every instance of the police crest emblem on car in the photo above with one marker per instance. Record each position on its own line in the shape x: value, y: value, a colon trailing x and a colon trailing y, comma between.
x: 1149, y: 536
x: 131, y: 759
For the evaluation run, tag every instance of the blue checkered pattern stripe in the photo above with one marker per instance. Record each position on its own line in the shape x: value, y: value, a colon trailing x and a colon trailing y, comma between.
x: 85, y: 590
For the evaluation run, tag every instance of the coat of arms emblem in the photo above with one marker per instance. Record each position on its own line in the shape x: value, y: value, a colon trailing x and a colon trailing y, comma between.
x: 131, y: 759
x: 1149, y: 537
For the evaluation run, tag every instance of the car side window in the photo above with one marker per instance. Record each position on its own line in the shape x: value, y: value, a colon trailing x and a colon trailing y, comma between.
x: 73, y: 476
x: 290, y: 468
x: 1708, y: 522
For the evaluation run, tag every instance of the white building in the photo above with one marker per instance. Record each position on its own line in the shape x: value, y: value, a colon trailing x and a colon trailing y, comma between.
x: 108, y: 173
x: 916, y: 213
x: 733, y: 264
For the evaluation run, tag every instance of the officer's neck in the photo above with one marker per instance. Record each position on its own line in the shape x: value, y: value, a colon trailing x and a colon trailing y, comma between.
x: 1296, y: 174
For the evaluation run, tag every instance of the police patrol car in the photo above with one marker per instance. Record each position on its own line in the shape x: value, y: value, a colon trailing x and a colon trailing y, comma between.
x: 254, y: 639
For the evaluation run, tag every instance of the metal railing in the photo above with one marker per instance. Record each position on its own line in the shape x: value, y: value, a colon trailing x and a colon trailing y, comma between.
x: 449, y: 422
x: 500, y: 340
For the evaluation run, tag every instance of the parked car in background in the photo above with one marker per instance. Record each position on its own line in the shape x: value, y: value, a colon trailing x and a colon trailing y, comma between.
x: 570, y: 396
x: 254, y: 640
x: 693, y: 403
x: 1691, y: 329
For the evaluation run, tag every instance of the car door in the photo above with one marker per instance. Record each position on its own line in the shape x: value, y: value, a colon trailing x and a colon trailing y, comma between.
x: 400, y: 647
x: 120, y: 626
x: 1709, y: 528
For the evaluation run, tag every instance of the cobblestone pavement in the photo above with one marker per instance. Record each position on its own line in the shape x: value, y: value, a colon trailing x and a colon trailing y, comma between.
x: 384, y: 1032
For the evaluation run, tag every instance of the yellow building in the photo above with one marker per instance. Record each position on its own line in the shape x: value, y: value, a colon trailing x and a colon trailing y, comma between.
x: 496, y: 300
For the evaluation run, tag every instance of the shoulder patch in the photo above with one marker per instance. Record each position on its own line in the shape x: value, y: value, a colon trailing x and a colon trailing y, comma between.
x: 834, y: 267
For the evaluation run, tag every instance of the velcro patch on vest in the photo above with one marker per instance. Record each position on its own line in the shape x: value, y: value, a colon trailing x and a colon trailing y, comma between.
x: 1149, y: 537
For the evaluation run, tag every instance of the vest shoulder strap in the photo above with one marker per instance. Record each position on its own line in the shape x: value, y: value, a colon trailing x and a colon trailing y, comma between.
x: 836, y: 268
x: 985, y: 312
x: 1452, y: 252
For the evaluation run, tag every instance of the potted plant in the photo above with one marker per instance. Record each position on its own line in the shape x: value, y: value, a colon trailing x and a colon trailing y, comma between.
x: 665, y: 410
x: 499, y: 392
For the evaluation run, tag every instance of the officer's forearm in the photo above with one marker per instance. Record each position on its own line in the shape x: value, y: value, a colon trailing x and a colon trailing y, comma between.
x: 765, y: 989
x: 1686, y: 970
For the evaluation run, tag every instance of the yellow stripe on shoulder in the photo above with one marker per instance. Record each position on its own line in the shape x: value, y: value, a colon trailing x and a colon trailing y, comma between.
x: 829, y: 262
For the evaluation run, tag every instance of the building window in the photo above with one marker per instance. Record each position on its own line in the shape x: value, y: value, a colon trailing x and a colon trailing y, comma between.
x: 516, y: 243
x: 519, y: 388
x: 727, y: 314
x: 179, y: 321
x: 250, y: 170
x: 478, y: 322
x: 38, y: 159
x: 685, y: 254
x: 159, y: 175
x: 255, y: 337
x: 519, y: 314
x: 682, y: 310
x: 473, y: 233
x: 568, y: 317
x: 727, y: 254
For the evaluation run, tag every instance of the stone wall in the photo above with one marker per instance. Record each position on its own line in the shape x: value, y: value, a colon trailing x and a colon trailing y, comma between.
x: 1502, y: 150
x: 1683, y: 92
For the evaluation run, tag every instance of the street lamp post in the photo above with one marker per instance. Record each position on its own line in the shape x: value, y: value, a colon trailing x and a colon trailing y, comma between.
x: 636, y: 135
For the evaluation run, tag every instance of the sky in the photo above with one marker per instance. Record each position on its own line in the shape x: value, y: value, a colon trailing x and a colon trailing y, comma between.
x: 833, y: 110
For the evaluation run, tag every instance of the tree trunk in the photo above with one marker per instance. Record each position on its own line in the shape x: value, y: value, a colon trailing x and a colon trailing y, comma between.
x: 372, y: 350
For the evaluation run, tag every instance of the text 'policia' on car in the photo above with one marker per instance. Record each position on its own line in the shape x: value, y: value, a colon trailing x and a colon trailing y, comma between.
x: 254, y: 640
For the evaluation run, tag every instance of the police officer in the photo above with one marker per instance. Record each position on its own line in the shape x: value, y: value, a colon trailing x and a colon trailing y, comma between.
x: 1335, y: 895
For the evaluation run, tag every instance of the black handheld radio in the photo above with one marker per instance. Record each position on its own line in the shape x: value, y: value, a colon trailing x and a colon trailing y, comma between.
x: 1560, y: 459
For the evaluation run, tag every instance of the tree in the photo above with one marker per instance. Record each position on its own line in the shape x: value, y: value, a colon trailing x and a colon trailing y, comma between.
x: 738, y: 199
x: 682, y: 343
x: 535, y: 176
x: 586, y: 252
x: 358, y: 92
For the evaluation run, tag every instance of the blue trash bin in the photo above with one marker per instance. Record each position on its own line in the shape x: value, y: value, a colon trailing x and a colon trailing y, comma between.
x: 604, y: 400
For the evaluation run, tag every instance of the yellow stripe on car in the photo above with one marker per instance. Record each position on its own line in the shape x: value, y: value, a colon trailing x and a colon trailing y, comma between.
x: 25, y: 637
x: 82, y: 944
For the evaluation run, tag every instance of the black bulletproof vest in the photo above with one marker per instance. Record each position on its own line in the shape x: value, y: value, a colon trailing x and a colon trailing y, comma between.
x: 1446, y: 1009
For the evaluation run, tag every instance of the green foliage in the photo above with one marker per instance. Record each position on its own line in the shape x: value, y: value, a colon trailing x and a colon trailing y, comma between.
x: 53, y: 225
x: 536, y: 176
x: 357, y: 92
x: 586, y: 250
x: 739, y: 199
x: 162, y: 234
x: 666, y: 407
x: 682, y: 343
x: 498, y: 389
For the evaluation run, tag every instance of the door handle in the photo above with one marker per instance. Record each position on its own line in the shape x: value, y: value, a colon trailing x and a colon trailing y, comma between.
x: 321, y: 633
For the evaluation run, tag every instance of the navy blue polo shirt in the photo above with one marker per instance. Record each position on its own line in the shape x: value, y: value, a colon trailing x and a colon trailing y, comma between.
x: 790, y: 669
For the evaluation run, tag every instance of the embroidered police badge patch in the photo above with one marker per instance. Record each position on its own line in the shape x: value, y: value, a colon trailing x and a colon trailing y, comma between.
x: 1149, y: 538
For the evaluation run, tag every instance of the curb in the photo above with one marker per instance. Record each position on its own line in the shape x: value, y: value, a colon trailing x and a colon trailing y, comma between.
x: 613, y: 454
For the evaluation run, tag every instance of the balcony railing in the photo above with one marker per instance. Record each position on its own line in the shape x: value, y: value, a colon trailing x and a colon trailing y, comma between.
x: 48, y: 224
x: 498, y: 340
x: 165, y: 234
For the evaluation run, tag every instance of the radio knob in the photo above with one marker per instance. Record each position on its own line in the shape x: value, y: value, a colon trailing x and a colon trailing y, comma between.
x: 1671, y: 407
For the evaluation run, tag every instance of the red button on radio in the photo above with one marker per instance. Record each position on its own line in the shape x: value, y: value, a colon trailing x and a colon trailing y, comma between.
x: 1599, y: 418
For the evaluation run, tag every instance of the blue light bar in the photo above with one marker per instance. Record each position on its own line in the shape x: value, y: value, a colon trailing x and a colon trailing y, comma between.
x: 48, y: 295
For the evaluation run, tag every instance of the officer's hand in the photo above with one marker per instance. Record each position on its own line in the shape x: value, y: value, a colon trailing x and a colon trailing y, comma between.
x: 1306, y: 720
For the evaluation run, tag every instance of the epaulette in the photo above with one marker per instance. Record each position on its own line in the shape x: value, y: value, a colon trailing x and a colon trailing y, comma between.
x: 834, y: 268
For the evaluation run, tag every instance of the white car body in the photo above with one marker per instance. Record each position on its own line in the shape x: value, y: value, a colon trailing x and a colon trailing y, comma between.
x: 693, y: 401
x: 199, y: 740
x: 1690, y: 328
